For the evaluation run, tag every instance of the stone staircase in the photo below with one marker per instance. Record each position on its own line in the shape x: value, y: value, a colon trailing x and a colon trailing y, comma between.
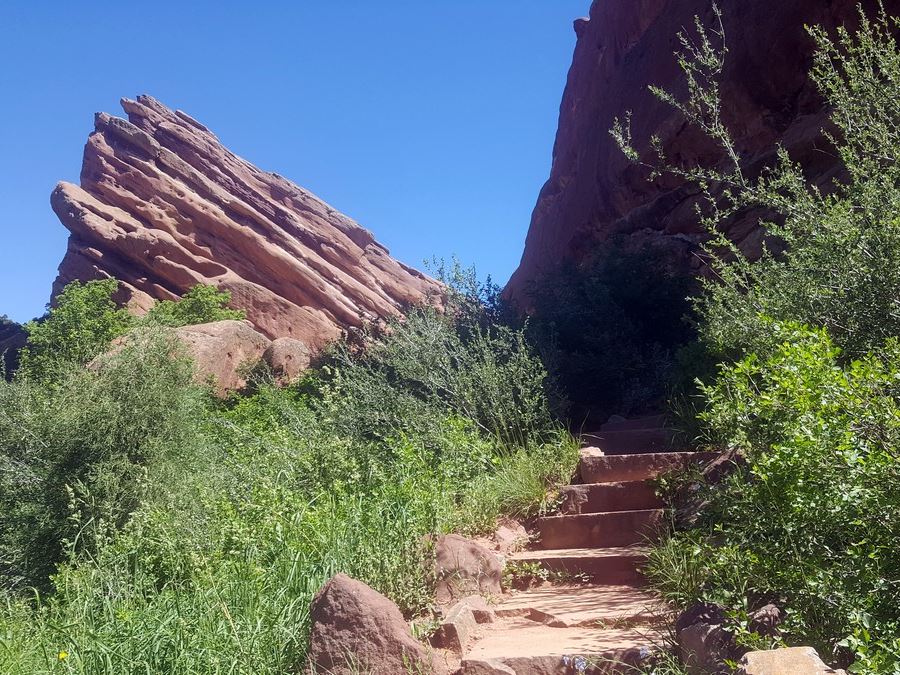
x: 608, y: 624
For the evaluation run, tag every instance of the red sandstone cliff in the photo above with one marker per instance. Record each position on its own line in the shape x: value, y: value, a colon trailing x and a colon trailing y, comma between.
x: 163, y: 206
x: 593, y: 192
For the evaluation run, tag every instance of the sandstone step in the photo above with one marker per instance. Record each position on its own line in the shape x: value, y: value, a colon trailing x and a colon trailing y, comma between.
x: 570, y: 606
x: 645, y: 422
x: 614, y: 565
x: 596, y: 468
x: 617, y: 528
x: 630, y: 441
x: 522, y: 647
x: 597, y: 497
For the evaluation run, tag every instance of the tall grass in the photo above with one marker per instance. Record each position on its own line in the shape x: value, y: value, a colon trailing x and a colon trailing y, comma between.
x: 235, y: 514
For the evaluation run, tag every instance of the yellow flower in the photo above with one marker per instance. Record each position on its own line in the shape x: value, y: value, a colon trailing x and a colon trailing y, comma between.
x: 63, y: 655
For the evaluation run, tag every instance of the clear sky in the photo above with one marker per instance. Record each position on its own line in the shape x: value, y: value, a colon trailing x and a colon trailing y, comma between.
x: 431, y: 123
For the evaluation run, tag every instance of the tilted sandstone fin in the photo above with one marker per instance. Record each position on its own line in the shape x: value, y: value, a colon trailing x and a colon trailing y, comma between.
x: 163, y: 206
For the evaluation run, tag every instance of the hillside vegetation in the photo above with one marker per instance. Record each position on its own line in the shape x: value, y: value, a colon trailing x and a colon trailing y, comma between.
x: 807, y: 389
x: 147, y: 527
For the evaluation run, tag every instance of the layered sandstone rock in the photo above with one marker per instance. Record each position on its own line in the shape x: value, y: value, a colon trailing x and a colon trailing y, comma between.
x: 594, y: 193
x: 163, y: 206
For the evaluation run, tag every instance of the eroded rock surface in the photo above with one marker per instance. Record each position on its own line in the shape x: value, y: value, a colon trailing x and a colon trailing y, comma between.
x: 594, y: 193
x: 357, y: 630
x: 223, y: 352
x: 164, y: 206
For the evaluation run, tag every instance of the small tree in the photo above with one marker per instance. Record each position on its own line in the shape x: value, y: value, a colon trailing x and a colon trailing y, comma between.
x: 841, y: 263
x: 81, y: 325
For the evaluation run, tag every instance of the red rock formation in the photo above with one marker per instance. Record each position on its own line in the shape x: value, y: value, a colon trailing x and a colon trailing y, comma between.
x: 594, y: 192
x: 163, y: 206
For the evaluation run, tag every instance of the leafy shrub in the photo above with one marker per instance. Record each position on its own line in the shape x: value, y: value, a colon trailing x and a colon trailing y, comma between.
x: 83, y: 322
x: 73, y: 455
x: 430, y: 362
x: 810, y: 332
x: 201, y: 304
x: 814, y: 521
x: 609, y: 327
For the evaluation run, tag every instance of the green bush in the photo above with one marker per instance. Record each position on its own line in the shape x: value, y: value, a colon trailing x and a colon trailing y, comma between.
x: 809, y: 388
x: 431, y: 362
x: 833, y: 258
x: 201, y: 304
x: 814, y: 521
x: 73, y: 455
x: 81, y: 325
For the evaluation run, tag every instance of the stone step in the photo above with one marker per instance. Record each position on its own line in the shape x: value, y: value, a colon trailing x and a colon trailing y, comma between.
x: 630, y: 441
x: 598, y: 497
x: 600, y: 530
x: 596, y: 468
x: 615, y: 565
x: 645, y: 422
x: 570, y: 606
x: 522, y: 647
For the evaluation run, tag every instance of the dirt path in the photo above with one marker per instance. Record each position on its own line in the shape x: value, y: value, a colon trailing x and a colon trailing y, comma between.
x: 609, y: 623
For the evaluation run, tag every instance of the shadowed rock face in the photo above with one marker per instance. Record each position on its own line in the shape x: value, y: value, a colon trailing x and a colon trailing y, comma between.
x: 12, y: 339
x: 163, y: 206
x: 594, y: 193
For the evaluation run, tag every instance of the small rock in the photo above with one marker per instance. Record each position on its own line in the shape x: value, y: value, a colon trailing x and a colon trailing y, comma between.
x: 465, y: 568
x: 456, y: 628
x: 481, y: 610
x: 766, y: 620
x: 356, y: 629
x: 787, y: 661
x: 703, y: 641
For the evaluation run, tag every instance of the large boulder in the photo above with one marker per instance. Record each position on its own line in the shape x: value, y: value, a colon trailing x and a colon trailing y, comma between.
x: 464, y: 567
x: 223, y: 352
x: 163, y: 206
x: 357, y: 630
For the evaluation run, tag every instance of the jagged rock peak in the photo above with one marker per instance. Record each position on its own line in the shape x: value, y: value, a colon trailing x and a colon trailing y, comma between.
x: 163, y: 206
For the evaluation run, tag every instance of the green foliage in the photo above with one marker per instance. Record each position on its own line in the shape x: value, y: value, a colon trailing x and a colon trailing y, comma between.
x: 195, y: 535
x: 80, y: 326
x: 73, y: 455
x: 435, y: 363
x: 810, y: 332
x: 201, y: 304
x: 85, y: 319
x: 814, y: 521
x: 609, y: 328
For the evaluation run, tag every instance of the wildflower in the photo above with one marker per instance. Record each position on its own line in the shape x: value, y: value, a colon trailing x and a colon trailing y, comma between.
x: 63, y: 655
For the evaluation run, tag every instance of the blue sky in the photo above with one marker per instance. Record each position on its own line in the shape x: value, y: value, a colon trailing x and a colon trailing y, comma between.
x: 431, y: 123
